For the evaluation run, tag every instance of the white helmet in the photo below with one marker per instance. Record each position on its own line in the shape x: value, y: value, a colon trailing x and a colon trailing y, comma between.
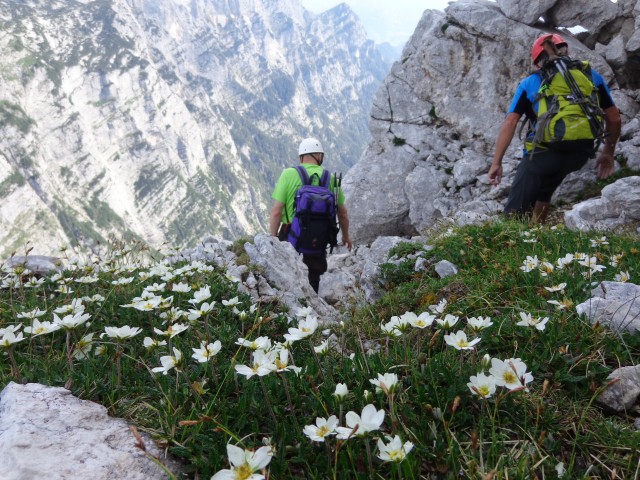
x: 310, y: 145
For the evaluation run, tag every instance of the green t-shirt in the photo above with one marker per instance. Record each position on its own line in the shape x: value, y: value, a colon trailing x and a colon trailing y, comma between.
x: 289, y: 183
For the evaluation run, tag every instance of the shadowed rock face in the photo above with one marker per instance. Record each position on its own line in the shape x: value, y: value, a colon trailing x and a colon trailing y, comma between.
x: 436, y: 117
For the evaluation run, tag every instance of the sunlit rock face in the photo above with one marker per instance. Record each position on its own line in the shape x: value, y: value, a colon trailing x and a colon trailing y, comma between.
x: 437, y: 115
x: 168, y: 120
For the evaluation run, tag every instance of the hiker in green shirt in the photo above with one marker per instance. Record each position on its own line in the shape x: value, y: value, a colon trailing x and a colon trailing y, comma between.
x: 311, y: 156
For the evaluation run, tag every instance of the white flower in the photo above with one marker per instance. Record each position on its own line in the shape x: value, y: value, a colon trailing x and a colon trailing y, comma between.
x: 173, y: 330
x: 556, y: 288
x: 75, y: 306
x: 386, y: 383
x: 511, y: 373
x: 562, y: 304
x: 83, y: 347
x: 560, y: 470
x: 168, y: 362
x: 482, y: 385
x: 123, y: 281
x: 260, y: 343
x: 71, y: 322
x: 121, y: 333
x: 151, y: 343
x: 41, y: 328
x: 305, y: 328
x: 9, y: 338
x: 615, y: 259
x: 33, y: 314
x: 479, y: 323
x: 359, y: 425
x: 97, y: 298
x: 448, y: 321
x: 459, y: 341
x: 34, y: 282
x: 323, y: 428
x: 203, y: 310
x: 180, y: 287
x: 10, y: 328
x: 231, y: 303
x: 598, y: 242
x: 263, y: 364
x: 206, y: 352
x: 564, y: 261
x: 439, y: 308
x: 545, y: 268
x: 201, y: 295
x: 425, y: 319
x: 393, y: 451
x: 156, y: 287
x: 147, y: 304
x: 589, y: 262
x: 529, y: 264
x: 281, y: 361
x: 529, y: 321
x: 341, y: 391
x: 622, y: 277
x: 245, y: 463
x: 323, y: 348
x: 393, y: 327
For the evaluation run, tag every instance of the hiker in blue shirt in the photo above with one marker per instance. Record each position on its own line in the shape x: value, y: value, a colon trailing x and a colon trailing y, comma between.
x: 546, y: 162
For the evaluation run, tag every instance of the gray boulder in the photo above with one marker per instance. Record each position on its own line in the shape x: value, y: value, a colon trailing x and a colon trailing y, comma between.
x: 525, y: 12
x: 46, y: 432
x: 615, y: 305
x: 283, y: 269
x: 40, y: 264
x: 618, y: 205
x: 623, y: 390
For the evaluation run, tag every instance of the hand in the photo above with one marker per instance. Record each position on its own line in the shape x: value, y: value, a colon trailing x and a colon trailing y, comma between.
x: 495, y: 174
x: 346, y: 241
x: 605, y: 165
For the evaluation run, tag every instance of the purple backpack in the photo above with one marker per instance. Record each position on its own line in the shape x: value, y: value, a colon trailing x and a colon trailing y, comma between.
x: 314, y: 225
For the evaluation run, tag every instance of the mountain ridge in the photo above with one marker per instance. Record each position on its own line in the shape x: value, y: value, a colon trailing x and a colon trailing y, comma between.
x: 167, y: 122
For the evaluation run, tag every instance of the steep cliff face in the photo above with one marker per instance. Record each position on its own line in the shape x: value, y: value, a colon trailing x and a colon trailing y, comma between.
x: 436, y: 117
x: 168, y: 120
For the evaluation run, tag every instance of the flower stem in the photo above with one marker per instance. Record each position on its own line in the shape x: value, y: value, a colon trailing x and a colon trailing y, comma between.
x: 14, y: 366
x: 268, y: 400
x: 367, y: 443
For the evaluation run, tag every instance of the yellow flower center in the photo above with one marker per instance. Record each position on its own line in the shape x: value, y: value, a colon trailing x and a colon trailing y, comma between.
x: 322, y: 431
x: 509, y: 377
x: 279, y: 364
x: 483, y: 390
x: 243, y: 472
x: 396, y: 455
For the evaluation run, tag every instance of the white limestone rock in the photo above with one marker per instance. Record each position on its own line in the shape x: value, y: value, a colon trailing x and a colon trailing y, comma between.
x: 46, y: 432
x: 614, y: 304
x: 525, y: 12
x: 618, y: 205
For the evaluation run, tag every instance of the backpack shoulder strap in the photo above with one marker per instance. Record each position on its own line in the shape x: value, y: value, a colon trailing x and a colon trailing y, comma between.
x: 325, y: 179
x: 304, y: 176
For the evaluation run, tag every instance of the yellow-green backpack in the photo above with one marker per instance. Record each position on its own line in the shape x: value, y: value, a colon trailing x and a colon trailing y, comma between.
x: 569, y: 112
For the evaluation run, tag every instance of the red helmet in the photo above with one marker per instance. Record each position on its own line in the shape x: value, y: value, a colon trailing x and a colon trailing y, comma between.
x: 538, y: 45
